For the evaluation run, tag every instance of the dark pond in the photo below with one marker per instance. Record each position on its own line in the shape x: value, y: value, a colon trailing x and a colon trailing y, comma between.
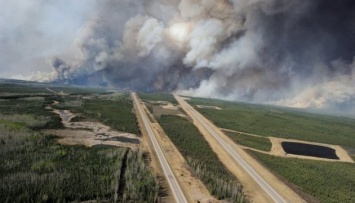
x: 309, y: 150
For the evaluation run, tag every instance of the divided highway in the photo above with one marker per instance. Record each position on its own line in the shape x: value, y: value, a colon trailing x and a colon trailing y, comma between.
x: 175, y: 188
x: 228, y: 148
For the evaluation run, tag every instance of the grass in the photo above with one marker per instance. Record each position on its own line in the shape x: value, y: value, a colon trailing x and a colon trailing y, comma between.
x: 200, y: 157
x: 280, y: 122
x: 329, y: 182
x: 158, y: 97
x: 261, y: 143
x: 33, y: 109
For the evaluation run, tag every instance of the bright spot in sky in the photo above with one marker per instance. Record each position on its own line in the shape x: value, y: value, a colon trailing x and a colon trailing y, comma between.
x: 180, y: 31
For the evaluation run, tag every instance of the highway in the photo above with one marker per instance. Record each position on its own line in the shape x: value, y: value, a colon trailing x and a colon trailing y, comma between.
x: 170, y: 177
x: 228, y: 148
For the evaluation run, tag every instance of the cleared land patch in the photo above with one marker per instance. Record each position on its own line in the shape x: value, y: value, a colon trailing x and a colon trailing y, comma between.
x: 91, y: 133
x: 208, y: 107
x: 160, y: 104
x: 278, y: 150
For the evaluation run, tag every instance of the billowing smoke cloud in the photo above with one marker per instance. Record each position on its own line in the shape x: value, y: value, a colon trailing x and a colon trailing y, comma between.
x: 288, y: 52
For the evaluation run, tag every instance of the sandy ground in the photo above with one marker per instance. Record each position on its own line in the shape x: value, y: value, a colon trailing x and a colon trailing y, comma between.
x: 192, y: 187
x: 277, y: 149
x: 165, y: 105
x: 91, y: 133
x: 208, y: 107
x: 254, y: 192
x: 170, y: 106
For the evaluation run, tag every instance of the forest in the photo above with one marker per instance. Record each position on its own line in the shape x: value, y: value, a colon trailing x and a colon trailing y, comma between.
x: 35, y: 168
x: 329, y: 182
x: 279, y: 122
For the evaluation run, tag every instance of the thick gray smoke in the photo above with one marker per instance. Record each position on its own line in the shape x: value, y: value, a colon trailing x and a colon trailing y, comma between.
x: 288, y: 52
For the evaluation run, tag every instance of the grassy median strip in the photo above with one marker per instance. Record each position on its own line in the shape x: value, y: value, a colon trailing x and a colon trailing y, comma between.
x: 261, y: 143
x: 200, y: 157
x: 329, y: 182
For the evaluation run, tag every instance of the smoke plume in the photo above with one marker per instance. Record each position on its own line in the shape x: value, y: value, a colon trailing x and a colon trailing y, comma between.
x: 297, y: 53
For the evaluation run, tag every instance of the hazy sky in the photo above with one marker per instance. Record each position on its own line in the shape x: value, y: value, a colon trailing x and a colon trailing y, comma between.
x: 34, y: 31
x: 297, y: 53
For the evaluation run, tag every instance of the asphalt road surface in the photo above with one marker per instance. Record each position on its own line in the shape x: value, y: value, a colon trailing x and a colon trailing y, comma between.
x: 258, y: 179
x: 175, y: 187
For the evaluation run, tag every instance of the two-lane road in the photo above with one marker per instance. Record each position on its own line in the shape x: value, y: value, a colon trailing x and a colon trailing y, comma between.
x: 175, y: 187
x: 276, y: 197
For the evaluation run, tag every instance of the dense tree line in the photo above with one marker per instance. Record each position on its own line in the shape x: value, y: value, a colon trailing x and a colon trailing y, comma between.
x: 329, y: 182
x: 140, y: 184
x: 202, y: 160
x: 34, y: 168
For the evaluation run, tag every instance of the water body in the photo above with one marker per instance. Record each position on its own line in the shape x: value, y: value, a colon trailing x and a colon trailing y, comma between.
x: 309, y: 150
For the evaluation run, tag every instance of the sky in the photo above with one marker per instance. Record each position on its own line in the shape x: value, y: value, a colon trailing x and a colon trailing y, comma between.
x: 296, y: 53
x: 32, y: 32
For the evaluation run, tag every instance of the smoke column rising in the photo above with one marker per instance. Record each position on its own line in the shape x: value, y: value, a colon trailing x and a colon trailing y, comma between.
x: 297, y: 53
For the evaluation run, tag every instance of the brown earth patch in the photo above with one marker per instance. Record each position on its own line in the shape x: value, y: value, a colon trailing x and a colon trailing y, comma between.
x: 208, y: 107
x: 91, y: 133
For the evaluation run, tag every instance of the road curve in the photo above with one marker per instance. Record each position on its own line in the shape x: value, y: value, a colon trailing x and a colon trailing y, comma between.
x: 236, y: 156
x: 175, y: 187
